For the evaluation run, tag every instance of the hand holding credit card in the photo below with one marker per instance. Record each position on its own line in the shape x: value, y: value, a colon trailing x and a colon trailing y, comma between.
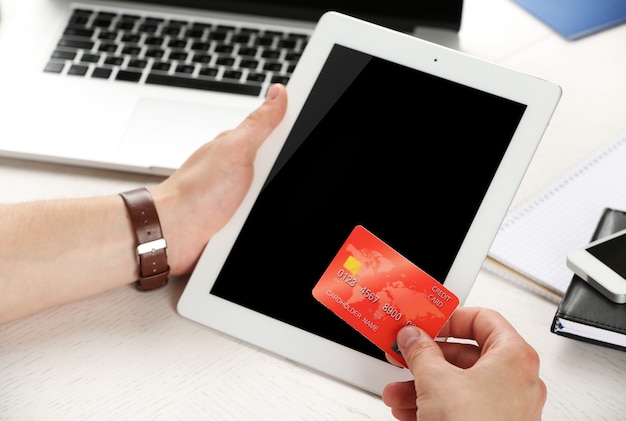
x: 377, y: 291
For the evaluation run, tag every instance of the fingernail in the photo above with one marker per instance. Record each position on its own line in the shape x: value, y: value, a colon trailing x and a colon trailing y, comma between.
x: 272, y: 92
x: 408, y: 335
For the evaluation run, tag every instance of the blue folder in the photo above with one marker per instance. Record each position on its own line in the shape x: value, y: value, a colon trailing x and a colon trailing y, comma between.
x: 574, y: 19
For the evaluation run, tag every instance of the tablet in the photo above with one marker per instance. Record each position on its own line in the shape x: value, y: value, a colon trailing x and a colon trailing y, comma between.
x: 422, y: 145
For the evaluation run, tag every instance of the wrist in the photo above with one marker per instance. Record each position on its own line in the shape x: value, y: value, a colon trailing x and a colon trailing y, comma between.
x: 167, y: 205
x: 189, y: 218
x: 150, y: 245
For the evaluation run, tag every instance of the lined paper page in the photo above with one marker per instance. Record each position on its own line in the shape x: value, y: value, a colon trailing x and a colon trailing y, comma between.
x: 535, y: 237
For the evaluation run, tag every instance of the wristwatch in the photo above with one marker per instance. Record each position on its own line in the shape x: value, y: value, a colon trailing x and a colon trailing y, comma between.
x: 151, y: 247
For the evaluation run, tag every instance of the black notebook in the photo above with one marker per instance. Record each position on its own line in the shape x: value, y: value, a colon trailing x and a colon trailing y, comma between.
x: 584, y: 313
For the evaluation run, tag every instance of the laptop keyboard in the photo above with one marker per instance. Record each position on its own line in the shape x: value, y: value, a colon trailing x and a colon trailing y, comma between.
x: 188, y: 54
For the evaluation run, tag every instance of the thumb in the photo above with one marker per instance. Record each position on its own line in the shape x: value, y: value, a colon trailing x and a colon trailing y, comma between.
x: 418, y: 349
x: 262, y: 121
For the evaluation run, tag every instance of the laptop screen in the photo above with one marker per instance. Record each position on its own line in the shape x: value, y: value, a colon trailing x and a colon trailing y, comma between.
x: 397, y: 14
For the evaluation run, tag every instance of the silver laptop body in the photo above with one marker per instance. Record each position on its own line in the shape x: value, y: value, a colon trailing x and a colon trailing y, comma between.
x: 138, y: 86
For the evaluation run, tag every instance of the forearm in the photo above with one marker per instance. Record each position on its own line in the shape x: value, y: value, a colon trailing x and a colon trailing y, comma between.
x: 55, y: 252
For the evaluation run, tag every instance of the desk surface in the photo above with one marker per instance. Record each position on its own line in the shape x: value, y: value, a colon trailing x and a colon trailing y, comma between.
x: 130, y: 355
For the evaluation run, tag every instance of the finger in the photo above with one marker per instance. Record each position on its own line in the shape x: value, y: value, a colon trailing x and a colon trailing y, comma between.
x: 400, y: 395
x: 462, y: 355
x: 404, y: 414
x: 420, y: 351
x: 262, y: 121
x: 487, y: 327
x: 393, y: 360
x: 401, y: 398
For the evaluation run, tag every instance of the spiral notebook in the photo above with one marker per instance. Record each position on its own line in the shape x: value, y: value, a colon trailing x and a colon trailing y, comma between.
x: 532, y: 243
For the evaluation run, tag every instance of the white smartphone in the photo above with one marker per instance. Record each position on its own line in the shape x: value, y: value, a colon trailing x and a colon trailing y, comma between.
x: 602, y: 264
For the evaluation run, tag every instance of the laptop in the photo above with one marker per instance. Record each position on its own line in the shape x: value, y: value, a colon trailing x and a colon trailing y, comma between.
x: 409, y: 159
x: 138, y: 86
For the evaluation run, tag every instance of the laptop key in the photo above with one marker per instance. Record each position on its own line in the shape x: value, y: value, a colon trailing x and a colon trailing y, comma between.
x: 107, y: 48
x: 137, y: 63
x: 201, y: 58
x: 78, y: 70
x: 225, y: 61
x: 185, y: 69
x: 249, y: 64
x: 78, y: 20
x: 154, y: 41
x: 131, y: 50
x: 256, y: 77
x: 178, y: 55
x: 108, y: 35
x: 131, y: 38
x: 232, y: 74
x: 89, y: 58
x: 101, y: 73
x: 79, y: 32
x: 273, y: 66
x: 75, y: 43
x: 54, y: 67
x: 114, y: 61
x: 208, y: 71
x: 161, y: 65
x: 155, y: 53
x: 280, y: 79
x: 128, y: 76
x: 209, y: 85
x: 64, y: 55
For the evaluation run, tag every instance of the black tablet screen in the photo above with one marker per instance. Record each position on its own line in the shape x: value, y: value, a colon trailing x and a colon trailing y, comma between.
x: 407, y: 155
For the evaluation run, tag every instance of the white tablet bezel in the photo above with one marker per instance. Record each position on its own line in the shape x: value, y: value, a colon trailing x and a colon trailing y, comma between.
x: 338, y: 361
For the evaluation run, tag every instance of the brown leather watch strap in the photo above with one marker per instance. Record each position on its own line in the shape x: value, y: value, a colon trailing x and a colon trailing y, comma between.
x: 151, y: 246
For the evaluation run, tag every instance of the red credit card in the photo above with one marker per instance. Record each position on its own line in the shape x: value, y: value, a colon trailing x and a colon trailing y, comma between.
x: 377, y: 291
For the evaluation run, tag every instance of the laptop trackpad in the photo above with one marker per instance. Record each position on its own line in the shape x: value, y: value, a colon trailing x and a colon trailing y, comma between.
x: 167, y: 132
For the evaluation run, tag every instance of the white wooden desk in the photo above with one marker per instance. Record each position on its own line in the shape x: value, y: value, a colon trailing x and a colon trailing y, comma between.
x: 130, y: 356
